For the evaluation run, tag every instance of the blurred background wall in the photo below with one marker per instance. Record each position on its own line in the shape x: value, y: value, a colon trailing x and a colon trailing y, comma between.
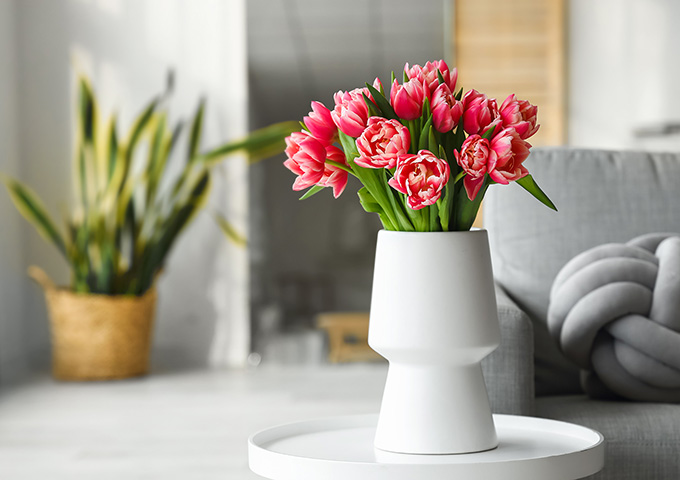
x: 13, y: 283
x: 624, y: 73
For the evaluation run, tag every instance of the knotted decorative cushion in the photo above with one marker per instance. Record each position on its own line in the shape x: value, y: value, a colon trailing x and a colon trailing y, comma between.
x: 615, y: 312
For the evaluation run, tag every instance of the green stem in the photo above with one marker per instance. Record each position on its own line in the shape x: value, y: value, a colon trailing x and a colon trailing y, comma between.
x: 414, y: 136
x: 435, y: 225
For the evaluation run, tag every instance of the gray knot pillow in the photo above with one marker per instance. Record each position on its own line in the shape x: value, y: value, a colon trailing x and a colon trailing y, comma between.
x: 615, y: 312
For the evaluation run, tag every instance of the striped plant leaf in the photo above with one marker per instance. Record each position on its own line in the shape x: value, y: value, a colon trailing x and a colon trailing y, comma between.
x: 256, y: 143
x: 87, y: 111
x: 196, y: 131
x: 111, y: 150
x: 230, y: 231
x: 157, y: 158
x: 33, y: 210
x: 136, y: 132
x: 125, y: 220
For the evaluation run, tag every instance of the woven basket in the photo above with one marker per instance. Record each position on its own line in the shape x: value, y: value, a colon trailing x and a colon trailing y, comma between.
x: 97, y: 337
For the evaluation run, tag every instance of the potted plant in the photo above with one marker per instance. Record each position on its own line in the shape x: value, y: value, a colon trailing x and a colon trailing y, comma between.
x: 128, y: 212
x: 424, y: 153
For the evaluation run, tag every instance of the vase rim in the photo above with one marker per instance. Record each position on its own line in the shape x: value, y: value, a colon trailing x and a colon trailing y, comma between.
x: 383, y: 231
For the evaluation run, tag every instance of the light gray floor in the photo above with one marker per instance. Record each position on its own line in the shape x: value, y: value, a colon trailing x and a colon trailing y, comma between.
x: 188, y: 425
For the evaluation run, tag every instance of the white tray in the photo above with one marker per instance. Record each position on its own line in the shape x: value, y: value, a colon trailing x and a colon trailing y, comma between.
x: 341, y: 448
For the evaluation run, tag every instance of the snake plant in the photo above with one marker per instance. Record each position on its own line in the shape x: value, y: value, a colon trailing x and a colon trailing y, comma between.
x: 129, y: 209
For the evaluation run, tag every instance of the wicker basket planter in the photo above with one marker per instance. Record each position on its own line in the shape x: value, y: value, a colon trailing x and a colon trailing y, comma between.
x: 98, y: 337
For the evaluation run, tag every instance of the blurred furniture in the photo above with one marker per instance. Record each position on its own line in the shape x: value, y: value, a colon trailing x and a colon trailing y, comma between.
x: 602, y: 197
x: 347, y: 336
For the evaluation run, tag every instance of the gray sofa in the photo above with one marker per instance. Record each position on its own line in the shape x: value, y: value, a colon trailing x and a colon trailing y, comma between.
x: 602, y: 197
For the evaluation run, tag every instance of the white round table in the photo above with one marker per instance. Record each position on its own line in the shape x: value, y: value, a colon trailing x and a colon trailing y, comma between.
x: 341, y: 448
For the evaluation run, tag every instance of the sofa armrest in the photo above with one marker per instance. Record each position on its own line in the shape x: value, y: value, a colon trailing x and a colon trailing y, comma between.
x: 509, y: 370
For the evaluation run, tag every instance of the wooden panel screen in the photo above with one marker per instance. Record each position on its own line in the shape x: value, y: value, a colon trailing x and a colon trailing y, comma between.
x: 515, y: 46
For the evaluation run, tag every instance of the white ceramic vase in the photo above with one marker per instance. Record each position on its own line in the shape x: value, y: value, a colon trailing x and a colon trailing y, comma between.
x: 433, y: 317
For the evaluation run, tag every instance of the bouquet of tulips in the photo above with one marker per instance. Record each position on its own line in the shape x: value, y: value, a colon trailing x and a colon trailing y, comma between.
x: 425, y: 154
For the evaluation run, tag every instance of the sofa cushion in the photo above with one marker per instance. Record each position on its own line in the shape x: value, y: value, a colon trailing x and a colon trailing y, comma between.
x: 614, y: 312
x: 602, y: 197
x: 643, y: 439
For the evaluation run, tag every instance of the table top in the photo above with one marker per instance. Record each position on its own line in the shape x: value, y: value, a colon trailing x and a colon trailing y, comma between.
x: 342, y: 447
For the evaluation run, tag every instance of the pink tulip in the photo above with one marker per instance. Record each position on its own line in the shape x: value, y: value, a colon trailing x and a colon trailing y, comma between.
x: 479, y: 112
x: 421, y: 178
x: 407, y: 99
x: 320, y: 124
x: 377, y: 84
x: 350, y: 113
x: 333, y: 176
x: 428, y: 75
x: 519, y: 114
x: 509, y: 151
x: 306, y: 158
x: 381, y: 143
x: 446, y: 110
x: 474, y: 159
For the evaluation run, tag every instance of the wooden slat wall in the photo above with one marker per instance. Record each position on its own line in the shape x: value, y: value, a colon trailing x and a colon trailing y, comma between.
x: 515, y: 46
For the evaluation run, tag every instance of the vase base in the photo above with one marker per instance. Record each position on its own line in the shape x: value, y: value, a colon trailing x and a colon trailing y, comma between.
x: 435, y: 410
x: 456, y: 452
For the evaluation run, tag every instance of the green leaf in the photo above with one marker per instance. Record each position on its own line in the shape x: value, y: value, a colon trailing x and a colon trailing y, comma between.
x: 417, y: 217
x: 153, y: 255
x: 170, y: 145
x: 32, y: 209
x: 434, y: 224
x: 373, y: 109
x: 259, y: 144
x: 370, y: 205
x: 442, y: 153
x: 196, y: 130
x: 382, y: 103
x: 444, y: 206
x: 157, y: 160
x: 368, y: 202
x: 423, y: 142
x: 459, y: 95
x: 440, y: 77
x: 312, y: 191
x: 489, y: 133
x: 140, y: 125
x: 529, y: 184
x: 375, y: 182
x: 112, y: 151
x: 230, y: 231
x: 87, y: 111
x: 458, y: 138
x: 433, y: 146
x: 348, y: 145
x: 426, y: 108
x: 401, y: 212
x: 465, y: 210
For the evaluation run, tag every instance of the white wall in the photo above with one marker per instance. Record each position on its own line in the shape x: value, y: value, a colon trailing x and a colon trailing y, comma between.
x: 12, y: 277
x: 127, y: 46
x: 624, y: 72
